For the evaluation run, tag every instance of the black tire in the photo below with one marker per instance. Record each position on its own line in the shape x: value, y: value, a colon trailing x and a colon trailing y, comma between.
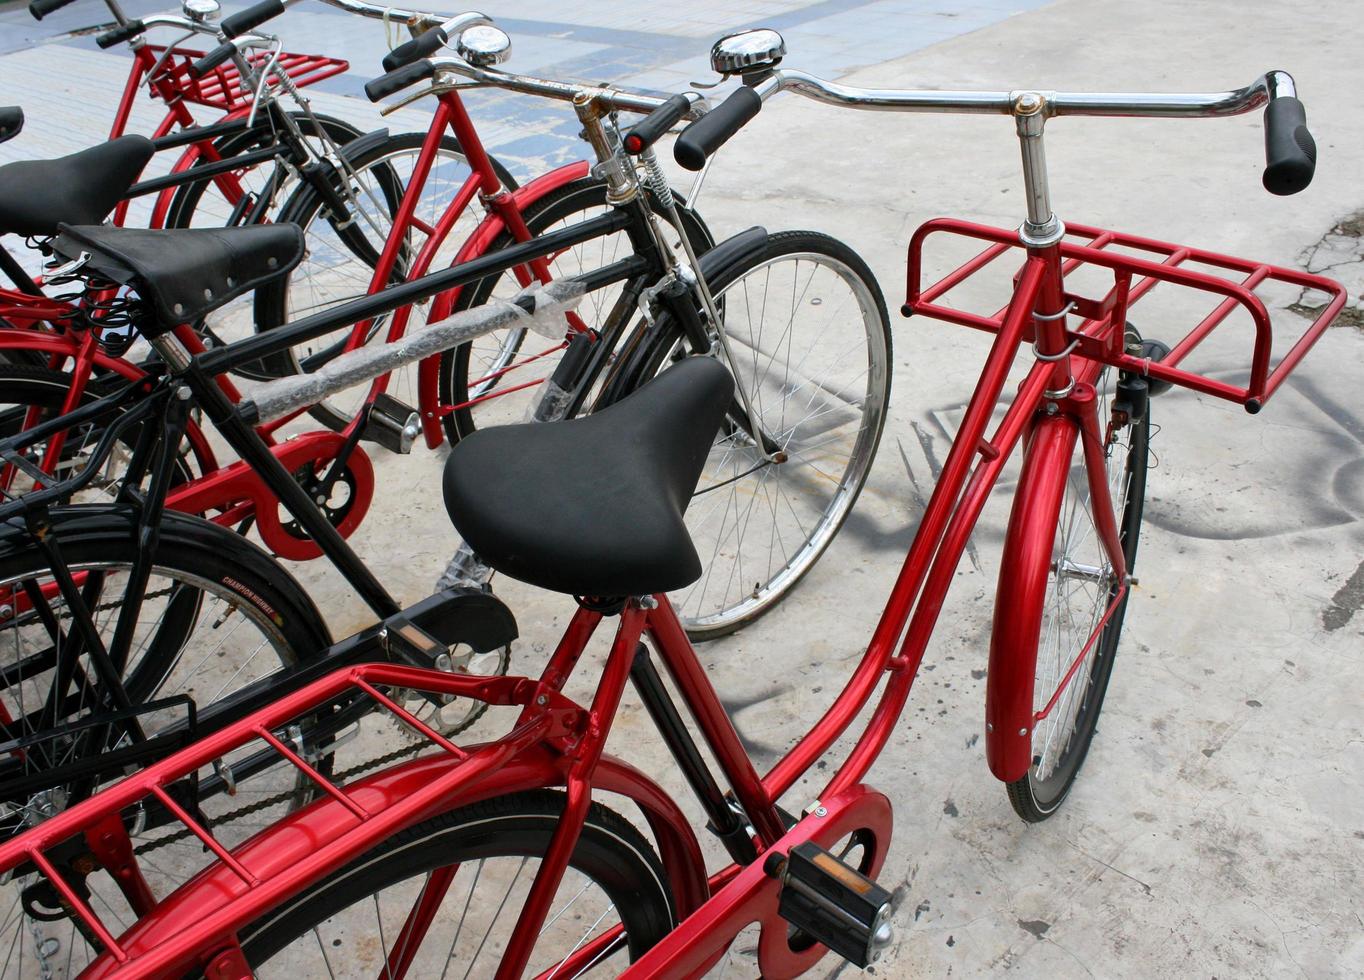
x: 568, y: 204
x: 277, y: 302
x: 198, y: 564
x: 23, y: 387
x: 610, y: 853
x: 735, y: 474
x: 213, y: 583
x: 189, y: 198
x: 1071, y: 724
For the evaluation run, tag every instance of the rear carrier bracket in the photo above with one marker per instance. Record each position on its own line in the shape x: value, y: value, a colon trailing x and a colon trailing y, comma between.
x: 1136, y: 266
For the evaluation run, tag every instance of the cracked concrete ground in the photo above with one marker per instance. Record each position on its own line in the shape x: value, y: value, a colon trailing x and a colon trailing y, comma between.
x: 1216, y: 830
x: 1340, y: 254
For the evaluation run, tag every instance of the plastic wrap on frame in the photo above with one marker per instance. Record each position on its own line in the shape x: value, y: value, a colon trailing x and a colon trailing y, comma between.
x: 537, y: 307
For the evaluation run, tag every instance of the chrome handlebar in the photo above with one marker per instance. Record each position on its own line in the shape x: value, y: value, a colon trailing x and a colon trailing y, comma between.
x: 416, y: 20
x: 612, y: 97
x: 1269, y: 85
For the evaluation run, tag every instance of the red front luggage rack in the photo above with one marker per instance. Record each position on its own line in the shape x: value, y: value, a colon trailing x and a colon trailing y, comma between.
x: 1133, y: 277
x: 221, y: 88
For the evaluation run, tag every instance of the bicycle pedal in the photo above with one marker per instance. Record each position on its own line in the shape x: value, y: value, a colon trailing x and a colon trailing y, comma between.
x: 408, y: 643
x: 833, y: 903
x: 392, y: 424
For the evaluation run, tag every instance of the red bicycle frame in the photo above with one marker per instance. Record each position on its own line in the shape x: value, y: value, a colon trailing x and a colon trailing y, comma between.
x: 557, y: 742
x: 167, y: 75
x: 505, y: 210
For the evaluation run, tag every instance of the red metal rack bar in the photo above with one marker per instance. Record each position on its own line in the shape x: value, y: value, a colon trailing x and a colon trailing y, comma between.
x: 370, y: 803
x: 222, y: 87
x: 1133, y: 278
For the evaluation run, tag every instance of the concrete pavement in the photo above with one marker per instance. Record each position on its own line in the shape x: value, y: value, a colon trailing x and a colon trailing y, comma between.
x: 1216, y: 830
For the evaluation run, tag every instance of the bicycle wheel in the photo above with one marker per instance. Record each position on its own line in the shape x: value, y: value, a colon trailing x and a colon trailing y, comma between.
x: 350, y: 923
x: 493, y: 380
x: 30, y: 395
x: 203, y: 204
x: 339, y: 264
x: 218, y: 614
x: 1080, y: 587
x: 808, y: 330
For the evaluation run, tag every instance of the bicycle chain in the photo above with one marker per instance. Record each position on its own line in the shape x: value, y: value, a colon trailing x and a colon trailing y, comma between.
x: 42, y: 946
x: 252, y: 808
x: 65, y: 613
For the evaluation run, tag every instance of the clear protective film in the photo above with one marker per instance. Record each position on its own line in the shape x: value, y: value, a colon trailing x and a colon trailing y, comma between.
x: 538, y: 307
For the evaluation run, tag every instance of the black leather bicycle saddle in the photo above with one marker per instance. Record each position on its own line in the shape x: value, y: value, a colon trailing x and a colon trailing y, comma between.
x: 185, y: 273
x: 80, y: 189
x: 593, y: 506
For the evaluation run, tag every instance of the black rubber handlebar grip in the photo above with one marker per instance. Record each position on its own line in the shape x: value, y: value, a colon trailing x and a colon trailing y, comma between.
x: 422, y: 46
x: 651, y: 128
x: 11, y: 121
x: 396, y: 81
x: 124, y: 32
x: 703, y: 137
x: 1290, y: 151
x: 41, y: 8
x: 252, y: 17
x: 213, y: 59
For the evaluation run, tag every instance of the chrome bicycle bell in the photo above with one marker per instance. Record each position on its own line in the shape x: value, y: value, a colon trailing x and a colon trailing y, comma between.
x: 748, y: 51
x: 200, y: 10
x: 484, y: 46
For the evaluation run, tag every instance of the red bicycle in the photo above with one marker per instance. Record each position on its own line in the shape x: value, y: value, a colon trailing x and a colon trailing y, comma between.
x: 220, y: 112
x: 409, y: 870
x: 364, y: 199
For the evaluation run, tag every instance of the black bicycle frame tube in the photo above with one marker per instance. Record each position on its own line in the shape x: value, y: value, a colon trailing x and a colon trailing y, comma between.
x: 205, y: 171
x: 200, y: 134
x: 248, y: 445
x: 277, y: 339
x: 726, y: 824
x: 148, y: 521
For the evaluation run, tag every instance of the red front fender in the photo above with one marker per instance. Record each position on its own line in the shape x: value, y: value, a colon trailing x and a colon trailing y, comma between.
x: 1020, y: 598
x: 287, y: 842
